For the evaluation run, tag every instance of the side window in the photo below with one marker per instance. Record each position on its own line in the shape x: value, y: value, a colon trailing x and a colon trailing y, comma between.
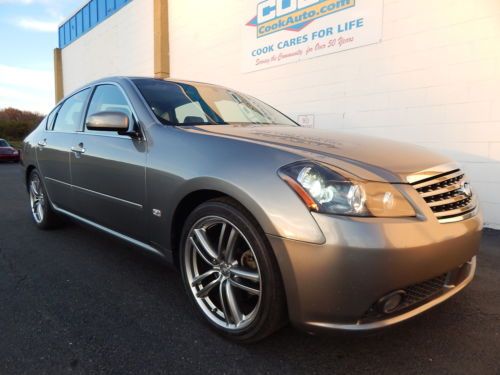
x: 108, y: 98
x: 50, y: 119
x: 69, y: 116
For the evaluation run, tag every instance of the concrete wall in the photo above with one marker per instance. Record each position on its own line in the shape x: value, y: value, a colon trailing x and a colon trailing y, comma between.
x: 121, y: 45
x: 433, y: 80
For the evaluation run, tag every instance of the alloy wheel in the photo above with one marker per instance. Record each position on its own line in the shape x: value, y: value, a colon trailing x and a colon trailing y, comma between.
x: 37, y: 199
x: 223, y: 273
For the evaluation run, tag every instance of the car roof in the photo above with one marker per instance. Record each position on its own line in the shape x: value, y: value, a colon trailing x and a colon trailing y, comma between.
x: 120, y: 79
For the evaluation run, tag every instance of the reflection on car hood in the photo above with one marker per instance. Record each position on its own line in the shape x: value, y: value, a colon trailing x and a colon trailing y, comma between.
x: 367, y: 157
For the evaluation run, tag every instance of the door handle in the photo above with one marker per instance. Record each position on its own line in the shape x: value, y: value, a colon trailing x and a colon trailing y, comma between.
x: 79, y: 150
x: 42, y: 144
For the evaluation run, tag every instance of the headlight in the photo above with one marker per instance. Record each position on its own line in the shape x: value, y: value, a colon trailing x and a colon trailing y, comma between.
x: 328, y: 191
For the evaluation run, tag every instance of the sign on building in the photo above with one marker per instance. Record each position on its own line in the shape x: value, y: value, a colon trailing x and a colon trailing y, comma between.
x: 285, y: 31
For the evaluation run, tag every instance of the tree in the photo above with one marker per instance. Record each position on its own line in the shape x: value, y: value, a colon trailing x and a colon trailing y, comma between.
x: 15, y: 124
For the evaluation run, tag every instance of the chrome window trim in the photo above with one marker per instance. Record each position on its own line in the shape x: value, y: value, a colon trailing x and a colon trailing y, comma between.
x: 62, y: 102
x: 83, y: 128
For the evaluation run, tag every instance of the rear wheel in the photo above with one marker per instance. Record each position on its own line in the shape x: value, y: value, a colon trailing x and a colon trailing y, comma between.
x: 230, y: 272
x: 41, y: 211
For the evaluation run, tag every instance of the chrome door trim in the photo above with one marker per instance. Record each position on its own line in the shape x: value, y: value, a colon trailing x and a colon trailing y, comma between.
x: 111, y: 232
x: 109, y: 197
x: 135, y: 205
x: 58, y: 181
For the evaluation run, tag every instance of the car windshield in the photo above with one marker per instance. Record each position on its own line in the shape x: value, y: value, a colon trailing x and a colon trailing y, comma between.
x: 177, y: 103
x: 3, y: 143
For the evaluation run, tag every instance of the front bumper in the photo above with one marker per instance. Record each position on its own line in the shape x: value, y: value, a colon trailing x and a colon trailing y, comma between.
x: 334, y: 286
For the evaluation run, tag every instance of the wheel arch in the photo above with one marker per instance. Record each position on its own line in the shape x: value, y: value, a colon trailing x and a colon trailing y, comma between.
x: 28, y: 171
x: 192, y: 200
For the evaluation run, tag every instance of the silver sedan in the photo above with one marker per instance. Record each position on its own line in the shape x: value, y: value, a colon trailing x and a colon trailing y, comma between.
x: 268, y: 222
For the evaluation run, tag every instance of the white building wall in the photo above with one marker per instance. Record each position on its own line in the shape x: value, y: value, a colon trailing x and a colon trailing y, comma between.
x: 434, y: 80
x: 123, y: 44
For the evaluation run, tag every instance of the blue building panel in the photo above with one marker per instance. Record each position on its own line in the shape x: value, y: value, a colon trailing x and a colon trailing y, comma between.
x: 101, y: 10
x: 120, y: 3
x: 67, y: 34
x: 79, y: 24
x: 110, y: 7
x: 72, y: 28
x: 94, y: 19
x: 61, y: 36
x: 88, y: 17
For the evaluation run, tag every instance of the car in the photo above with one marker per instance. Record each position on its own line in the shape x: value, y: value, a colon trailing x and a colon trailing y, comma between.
x: 267, y: 221
x: 8, y: 153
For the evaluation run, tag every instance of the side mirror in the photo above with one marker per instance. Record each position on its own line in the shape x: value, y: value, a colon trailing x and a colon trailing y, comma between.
x: 108, y: 121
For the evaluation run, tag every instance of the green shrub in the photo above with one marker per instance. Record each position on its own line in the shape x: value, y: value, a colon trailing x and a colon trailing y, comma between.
x: 15, y: 125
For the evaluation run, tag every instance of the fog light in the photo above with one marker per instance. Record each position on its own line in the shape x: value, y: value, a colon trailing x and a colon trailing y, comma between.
x: 391, y: 302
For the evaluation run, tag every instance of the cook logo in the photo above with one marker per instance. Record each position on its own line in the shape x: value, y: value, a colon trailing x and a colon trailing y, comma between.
x: 277, y: 15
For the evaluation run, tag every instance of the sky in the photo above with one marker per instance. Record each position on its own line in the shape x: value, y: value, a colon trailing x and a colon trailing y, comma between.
x: 28, y: 36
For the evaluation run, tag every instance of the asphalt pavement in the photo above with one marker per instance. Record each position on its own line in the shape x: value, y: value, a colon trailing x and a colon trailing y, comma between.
x: 74, y: 300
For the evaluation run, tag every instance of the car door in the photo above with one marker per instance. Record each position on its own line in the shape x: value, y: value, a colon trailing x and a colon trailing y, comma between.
x: 108, y: 169
x: 53, y: 148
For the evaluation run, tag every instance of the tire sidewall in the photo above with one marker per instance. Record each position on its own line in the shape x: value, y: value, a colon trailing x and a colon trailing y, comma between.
x: 270, y: 279
x: 47, y: 212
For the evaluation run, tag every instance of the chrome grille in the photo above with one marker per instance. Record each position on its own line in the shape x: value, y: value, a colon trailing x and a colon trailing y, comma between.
x: 447, y: 195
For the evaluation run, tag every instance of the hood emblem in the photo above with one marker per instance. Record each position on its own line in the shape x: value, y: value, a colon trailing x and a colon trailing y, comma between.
x: 465, y: 188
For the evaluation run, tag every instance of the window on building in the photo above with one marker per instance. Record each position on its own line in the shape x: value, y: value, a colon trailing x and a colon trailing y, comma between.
x: 69, y: 117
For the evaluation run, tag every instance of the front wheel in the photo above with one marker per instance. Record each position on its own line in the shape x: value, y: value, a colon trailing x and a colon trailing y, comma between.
x: 230, y: 272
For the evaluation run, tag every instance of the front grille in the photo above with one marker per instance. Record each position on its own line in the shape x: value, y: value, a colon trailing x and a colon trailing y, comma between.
x: 447, y: 195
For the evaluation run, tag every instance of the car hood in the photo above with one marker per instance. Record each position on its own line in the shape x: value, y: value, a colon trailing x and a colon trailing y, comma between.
x: 369, y: 158
x: 7, y: 150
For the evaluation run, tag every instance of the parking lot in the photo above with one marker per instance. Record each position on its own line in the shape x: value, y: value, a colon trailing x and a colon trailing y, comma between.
x: 77, y: 301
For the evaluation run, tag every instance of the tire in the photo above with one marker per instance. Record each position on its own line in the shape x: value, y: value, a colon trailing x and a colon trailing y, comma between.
x: 41, y: 210
x: 240, y: 293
